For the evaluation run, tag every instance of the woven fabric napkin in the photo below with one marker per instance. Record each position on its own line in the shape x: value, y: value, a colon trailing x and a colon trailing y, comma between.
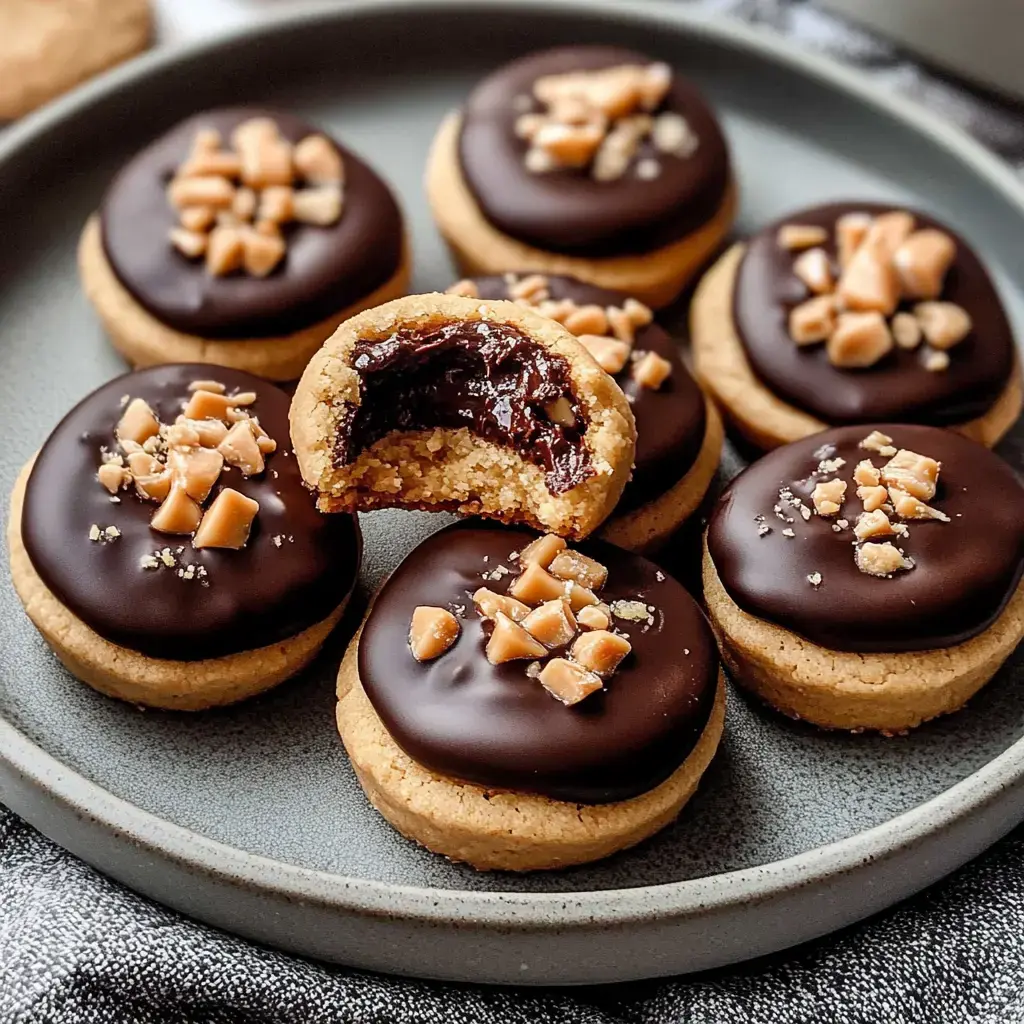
x: 77, y: 948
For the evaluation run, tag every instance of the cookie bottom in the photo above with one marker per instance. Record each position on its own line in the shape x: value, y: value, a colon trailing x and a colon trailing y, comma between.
x: 498, y: 830
x: 155, y: 682
x: 886, y: 692
x: 646, y: 528
x: 758, y: 414
x: 479, y: 248
x: 145, y: 341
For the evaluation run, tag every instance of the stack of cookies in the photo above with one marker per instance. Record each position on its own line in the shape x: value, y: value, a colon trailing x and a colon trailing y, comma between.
x: 527, y: 690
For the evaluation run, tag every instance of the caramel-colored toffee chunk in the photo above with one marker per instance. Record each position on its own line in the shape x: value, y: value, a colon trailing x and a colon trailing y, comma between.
x: 432, y: 632
x: 227, y: 522
x: 569, y: 682
x: 509, y: 641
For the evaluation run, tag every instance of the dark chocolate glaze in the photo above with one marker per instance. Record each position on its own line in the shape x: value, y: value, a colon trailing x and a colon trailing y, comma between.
x: 565, y: 210
x: 965, y: 570
x: 492, y: 724
x: 489, y: 377
x: 670, y: 422
x: 898, y: 387
x: 325, y: 269
x: 257, y: 596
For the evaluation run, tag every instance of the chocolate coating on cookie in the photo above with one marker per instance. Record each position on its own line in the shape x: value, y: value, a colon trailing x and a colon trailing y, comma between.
x: 463, y: 717
x: 325, y: 270
x: 565, y: 210
x: 264, y: 593
x: 898, y: 387
x: 965, y: 570
x: 488, y: 377
x: 670, y: 422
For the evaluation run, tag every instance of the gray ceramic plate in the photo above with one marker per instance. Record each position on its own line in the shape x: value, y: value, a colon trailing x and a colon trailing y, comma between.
x: 251, y: 818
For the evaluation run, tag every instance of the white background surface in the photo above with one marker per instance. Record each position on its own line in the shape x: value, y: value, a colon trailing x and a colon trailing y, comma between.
x: 181, y: 20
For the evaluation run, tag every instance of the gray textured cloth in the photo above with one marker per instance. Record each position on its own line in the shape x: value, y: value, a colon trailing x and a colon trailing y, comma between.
x: 76, y: 948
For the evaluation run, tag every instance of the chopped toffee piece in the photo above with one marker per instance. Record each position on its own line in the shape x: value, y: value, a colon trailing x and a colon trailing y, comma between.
x: 432, y: 632
x: 509, y: 641
x: 573, y: 565
x: 882, y: 261
x: 542, y: 551
x: 178, y: 464
x: 600, y: 119
x: 801, y: 236
x: 552, y: 623
x: 881, y: 559
x: 488, y: 604
x: 828, y: 496
x: 537, y: 615
x: 227, y: 522
x: 262, y: 176
x: 593, y: 617
x: 568, y: 682
x: 600, y: 651
x: 651, y: 370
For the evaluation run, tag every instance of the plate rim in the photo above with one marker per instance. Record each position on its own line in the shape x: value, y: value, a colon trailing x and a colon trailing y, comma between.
x: 124, y: 821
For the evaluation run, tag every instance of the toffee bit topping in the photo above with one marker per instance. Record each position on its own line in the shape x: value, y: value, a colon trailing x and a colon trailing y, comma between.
x: 179, y: 464
x: 828, y: 496
x: 898, y: 491
x: 882, y: 262
x: 876, y: 441
x: 103, y: 534
x: 882, y: 559
x: 599, y: 120
x: 232, y: 202
x: 801, y: 236
x: 550, y: 607
x: 566, y: 681
x: 651, y: 370
x: 432, y: 632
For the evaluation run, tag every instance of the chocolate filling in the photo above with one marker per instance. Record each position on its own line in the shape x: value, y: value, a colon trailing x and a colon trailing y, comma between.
x: 490, y: 378
x: 898, y: 387
x: 964, y: 571
x: 296, y: 568
x: 493, y: 725
x: 566, y: 210
x: 670, y: 421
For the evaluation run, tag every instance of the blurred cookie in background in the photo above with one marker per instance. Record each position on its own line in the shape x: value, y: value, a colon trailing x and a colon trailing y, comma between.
x: 48, y: 46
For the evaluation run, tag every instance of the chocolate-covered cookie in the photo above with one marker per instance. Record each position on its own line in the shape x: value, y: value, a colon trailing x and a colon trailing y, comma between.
x: 856, y: 312
x: 515, y: 671
x: 246, y: 228
x: 589, y: 160
x: 869, y: 576
x: 441, y: 401
x: 678, y: 433
x: 166, y: 519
